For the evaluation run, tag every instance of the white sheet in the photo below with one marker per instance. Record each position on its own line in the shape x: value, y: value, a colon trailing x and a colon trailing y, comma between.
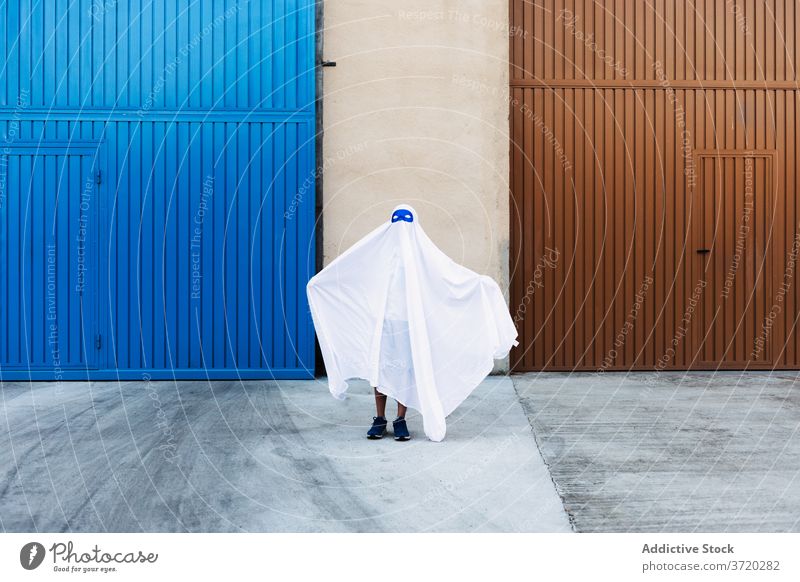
x: 395, y: 310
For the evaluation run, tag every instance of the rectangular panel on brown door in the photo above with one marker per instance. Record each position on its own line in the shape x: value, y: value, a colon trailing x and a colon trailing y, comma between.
x: 732, y: 207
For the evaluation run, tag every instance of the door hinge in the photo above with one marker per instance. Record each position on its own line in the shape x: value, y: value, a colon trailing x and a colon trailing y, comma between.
x: 98, y: 177
x: 98, y: 341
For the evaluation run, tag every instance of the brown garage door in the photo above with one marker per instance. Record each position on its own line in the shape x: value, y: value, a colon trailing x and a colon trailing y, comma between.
x: 654, y: 219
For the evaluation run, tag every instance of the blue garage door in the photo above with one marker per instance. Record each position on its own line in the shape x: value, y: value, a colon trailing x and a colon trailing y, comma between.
x: 156, y: 188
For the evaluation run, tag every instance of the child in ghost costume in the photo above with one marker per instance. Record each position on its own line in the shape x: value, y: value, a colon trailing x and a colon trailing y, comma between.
x: 395, y: 310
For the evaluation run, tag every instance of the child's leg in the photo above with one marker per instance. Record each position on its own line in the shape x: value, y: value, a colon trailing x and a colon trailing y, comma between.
x: 380, y: 403
x: 401, y: 410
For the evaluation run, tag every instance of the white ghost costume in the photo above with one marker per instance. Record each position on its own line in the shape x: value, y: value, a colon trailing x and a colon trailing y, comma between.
x: 396, y: 311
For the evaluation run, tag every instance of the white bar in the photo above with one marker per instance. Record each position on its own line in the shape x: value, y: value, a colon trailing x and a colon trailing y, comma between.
x: 406, y: 557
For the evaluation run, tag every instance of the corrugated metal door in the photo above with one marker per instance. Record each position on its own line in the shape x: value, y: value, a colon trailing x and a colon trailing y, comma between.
x: 732, y: 205
x: 201, y: 113
x: 48, y: 292
x: 622, y: 113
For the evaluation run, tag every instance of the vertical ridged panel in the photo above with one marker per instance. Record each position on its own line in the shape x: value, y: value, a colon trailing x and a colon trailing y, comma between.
x: 621, y: 209
x: 196, y: 54
x: 204, y: 213
x: 200, y: 115
x: 713, y: 40
x: 49, y: 315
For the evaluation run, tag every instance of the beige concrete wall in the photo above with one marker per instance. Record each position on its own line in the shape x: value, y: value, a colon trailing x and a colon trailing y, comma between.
x: 416, y: 111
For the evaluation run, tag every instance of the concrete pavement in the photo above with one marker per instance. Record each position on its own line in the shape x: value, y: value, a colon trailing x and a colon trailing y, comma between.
x: 671, y: 451
x: 262, y: 456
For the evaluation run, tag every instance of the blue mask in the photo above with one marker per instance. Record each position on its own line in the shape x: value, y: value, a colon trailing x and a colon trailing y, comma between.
x: 402, y: 214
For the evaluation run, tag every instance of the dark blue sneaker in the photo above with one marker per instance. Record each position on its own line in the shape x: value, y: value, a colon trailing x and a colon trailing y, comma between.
x: 378, y: 428
x: 401, y: 429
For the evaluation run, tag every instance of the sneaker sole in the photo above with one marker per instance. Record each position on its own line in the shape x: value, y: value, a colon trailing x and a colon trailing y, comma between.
x: 374, y: 437
x: 408, y: 438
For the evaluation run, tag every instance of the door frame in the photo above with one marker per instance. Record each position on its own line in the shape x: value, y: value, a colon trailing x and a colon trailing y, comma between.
x: 696, y: 192
x: 96, y: 150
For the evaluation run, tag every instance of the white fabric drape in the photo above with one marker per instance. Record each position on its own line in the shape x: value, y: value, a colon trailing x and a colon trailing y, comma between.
x: 395, y: 310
